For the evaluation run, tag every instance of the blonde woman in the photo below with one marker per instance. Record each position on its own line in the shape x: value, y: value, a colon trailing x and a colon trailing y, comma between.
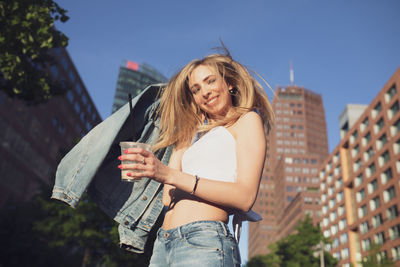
x: 215, y: 115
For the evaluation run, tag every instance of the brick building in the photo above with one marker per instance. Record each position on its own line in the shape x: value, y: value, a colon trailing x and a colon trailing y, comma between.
x: 34, y: 138
x: 360, y: 182
x: 289, y: 187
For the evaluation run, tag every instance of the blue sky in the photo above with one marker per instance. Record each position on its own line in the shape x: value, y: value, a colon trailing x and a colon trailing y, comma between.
x: 344, y: 50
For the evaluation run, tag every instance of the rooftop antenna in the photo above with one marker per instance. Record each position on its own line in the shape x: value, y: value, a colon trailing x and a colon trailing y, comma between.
x: 291, y: 73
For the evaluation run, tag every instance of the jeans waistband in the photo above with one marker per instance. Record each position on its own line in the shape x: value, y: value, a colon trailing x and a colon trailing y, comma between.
x: 180, y: 231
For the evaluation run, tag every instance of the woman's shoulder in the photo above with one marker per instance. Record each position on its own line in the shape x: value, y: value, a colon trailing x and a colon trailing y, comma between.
x: 249, y: 118
x: 247, y: 123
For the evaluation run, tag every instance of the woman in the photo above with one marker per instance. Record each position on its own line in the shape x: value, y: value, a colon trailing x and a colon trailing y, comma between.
x: 215, y: 114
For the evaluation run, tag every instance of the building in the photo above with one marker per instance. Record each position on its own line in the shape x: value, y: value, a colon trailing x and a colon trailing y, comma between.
x: 289, y: 187
x: 132, y: 79
x: 360, y: 183
x: 34, y: 138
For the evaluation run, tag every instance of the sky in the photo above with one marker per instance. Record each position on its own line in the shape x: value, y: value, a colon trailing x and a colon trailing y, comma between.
x: 344, y: 50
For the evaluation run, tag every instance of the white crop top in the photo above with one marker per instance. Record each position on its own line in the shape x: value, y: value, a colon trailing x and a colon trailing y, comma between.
x: 213, y: 157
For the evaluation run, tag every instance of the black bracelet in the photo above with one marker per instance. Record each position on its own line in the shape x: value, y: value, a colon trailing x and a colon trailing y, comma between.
x: 195, y: 184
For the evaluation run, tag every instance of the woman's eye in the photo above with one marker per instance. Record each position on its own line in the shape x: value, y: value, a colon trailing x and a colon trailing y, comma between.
x: 195, y: 90
x: 210, y: 81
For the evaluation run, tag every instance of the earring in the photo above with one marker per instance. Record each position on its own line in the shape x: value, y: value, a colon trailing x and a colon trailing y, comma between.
x: 233, y: 91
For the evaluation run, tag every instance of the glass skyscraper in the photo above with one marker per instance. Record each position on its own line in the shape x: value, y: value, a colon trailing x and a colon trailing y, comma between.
x: 133, y: 78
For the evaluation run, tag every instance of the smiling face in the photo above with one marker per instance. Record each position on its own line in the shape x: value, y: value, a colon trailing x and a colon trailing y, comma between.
x: 210, y: 91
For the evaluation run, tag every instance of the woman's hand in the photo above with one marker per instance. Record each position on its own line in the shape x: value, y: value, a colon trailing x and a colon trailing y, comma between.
x: 147, y: 165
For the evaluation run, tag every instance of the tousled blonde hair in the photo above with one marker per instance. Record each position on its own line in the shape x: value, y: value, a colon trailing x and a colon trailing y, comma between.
x: 181, y: 118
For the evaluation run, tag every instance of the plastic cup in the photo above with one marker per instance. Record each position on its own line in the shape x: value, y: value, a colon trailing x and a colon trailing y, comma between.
x: 124, y: 146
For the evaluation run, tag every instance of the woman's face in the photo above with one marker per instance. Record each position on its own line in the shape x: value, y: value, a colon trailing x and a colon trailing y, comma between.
x: 210, y: 91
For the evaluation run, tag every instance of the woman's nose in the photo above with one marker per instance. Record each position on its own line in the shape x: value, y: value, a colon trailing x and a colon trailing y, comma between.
x: 205, y: 91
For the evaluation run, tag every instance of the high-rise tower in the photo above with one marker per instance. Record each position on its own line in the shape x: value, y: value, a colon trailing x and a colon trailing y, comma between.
x: 132, y: 79
x: 289, y: 187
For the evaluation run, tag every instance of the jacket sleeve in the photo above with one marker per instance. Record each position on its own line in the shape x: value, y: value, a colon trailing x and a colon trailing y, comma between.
x: 77, y: 169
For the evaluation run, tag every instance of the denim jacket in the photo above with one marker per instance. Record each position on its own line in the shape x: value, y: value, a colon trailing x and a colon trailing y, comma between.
x: 92, y: 166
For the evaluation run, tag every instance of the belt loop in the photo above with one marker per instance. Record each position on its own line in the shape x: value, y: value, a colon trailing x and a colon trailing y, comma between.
x: 180, y: 232
x: 224, y: 228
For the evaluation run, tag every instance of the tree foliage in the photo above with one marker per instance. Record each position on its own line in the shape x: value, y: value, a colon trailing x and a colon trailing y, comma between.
x: 376, y: 259
x: 27, y: 34
x: 47, y: 232
x: 296, y: 250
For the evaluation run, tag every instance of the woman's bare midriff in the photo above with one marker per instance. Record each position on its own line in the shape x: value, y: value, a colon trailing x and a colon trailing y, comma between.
x: 186, y: 209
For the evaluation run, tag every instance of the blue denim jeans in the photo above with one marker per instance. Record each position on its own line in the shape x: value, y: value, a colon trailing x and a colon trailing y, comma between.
x: 201, y: 243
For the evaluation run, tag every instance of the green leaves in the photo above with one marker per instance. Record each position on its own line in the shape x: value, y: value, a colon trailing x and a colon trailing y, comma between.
x: 295, y: 250
x: 27, y: 35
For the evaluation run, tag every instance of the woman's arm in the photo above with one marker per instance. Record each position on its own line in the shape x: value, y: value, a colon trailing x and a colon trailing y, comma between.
x: 174, y: 163
x: 250, y: 150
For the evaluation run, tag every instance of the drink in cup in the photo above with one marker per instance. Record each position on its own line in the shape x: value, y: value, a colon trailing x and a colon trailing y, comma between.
x: 124, y: 146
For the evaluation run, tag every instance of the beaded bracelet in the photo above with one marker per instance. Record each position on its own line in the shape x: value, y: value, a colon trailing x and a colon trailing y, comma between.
x: 195, y: 184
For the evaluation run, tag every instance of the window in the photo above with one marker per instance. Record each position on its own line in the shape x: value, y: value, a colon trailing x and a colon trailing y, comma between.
x: 336, y: 157
x: 324, y: 209
x: 390, y: 93
x: 396, y: 147
x: 366, y: 139
x: 308, y: 200
x: 377, y: 220
x: 289, y: 188
x: 396, y: 253
x: 368, y: 154
x: 353, y: 137
x: 70, y: 96
x: 344, y: 253
x: 355, y: 151
x: 358, y: 180
x: 381, y: 141
x: 78, y: 88
x: 342, y: 224
x: 393, y: 110
x: 362, y: 211
x: 323, y: 186
x: 384, y: 158
x: 394, y: 129
x: 339, y: 196
x: 77, y: 107
x: 394, y: 232
x: 332, y: 216
x: 332, y: 203
x: 360, y: 195
x: 289, y: 198
x: 372, y: 186
x: 54, y: 71
x: 343, y: 238
x: 389, y: 194
x: 379, y: 125
x: 334, y: 229
x: 377, y: 109
x: 370, y: 170
x: 392, y: 212
x: 357, y: 165
x: 364, y: 227
x: 364, y: 124
x: 386, y: 175
x: 374, y: 203
x: 341, y: 210
x: 335, y: 242
x: 379, y: 238
x: 330, y: 191
x: 366, y: 244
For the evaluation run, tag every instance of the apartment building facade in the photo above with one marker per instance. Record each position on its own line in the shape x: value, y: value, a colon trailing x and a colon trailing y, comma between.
x: 360, y: 183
